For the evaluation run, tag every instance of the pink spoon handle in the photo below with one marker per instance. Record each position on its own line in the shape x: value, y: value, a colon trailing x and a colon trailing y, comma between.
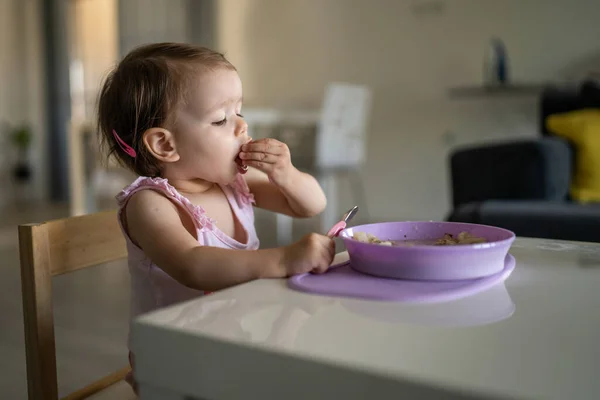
x: 336, y: 229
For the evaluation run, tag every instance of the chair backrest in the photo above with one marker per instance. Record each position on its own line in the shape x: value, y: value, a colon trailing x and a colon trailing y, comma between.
x: 52, y: 248
x: 341, y: 134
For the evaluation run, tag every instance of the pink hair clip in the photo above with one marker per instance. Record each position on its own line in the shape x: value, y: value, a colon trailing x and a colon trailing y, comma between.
x: 124, y: 146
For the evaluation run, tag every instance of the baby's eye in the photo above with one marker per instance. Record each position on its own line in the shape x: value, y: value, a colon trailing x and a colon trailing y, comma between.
x: 221, y: 122
x: 240, y: 115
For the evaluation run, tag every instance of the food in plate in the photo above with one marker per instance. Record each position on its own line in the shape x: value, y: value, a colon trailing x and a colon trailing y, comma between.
x: 368, y: 238
x: 447, y: 240
x: 461, y: 238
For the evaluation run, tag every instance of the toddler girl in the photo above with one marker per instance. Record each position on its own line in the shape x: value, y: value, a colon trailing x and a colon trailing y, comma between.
x: 171, y: 113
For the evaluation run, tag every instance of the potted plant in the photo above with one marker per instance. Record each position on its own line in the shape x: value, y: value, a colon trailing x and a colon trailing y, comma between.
x: 21, y: 138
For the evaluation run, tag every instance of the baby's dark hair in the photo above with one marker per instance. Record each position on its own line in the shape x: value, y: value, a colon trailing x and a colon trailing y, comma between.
x: 142, y: 92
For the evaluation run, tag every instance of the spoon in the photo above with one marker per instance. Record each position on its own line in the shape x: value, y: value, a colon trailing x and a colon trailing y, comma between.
x: 340, y: 226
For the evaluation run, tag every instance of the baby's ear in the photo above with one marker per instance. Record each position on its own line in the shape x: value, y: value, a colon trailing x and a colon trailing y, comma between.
x: 161, y: 144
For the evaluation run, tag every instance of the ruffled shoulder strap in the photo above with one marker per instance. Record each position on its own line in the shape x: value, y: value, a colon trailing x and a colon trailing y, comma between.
x: 241, y: 190
x: 162, y: 185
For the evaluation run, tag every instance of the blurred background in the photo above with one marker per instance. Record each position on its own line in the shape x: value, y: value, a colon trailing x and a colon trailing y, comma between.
x: 420, y: 74
x: 409, y: 54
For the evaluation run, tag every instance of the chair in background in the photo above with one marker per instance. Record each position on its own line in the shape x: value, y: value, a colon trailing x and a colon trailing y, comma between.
x: 341, y: 146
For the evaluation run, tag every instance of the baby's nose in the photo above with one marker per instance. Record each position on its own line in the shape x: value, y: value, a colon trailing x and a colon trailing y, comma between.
x: 242, y: 127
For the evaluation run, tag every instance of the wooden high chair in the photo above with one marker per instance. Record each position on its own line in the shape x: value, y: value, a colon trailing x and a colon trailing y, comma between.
x: 53, y: 248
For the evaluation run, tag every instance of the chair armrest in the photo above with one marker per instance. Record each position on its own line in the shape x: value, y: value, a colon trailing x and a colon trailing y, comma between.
x: 525, y: 170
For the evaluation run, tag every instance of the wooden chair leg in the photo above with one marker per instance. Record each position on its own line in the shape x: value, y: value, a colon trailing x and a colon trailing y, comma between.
x: 36, y: 284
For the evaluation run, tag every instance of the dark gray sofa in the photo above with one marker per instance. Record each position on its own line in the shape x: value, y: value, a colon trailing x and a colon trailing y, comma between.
x: 524, y: 186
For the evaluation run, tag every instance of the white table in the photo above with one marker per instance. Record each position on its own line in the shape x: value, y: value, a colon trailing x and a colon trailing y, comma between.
x: 534, y: 337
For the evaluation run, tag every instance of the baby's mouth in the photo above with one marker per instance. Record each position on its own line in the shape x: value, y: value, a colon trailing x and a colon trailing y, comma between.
x: 242, y: 169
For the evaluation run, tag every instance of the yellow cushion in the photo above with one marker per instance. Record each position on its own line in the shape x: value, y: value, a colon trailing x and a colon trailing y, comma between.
x: 582, y: 128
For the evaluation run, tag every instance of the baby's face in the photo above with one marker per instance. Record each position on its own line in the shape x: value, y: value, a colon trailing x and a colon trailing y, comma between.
x: 209, y: 128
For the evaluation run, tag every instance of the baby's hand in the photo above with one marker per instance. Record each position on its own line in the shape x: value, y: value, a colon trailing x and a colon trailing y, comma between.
x: 312, y: 253
x: 271, y: 157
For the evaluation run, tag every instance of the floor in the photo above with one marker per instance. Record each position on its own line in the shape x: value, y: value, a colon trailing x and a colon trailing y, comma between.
x: 90, y: 308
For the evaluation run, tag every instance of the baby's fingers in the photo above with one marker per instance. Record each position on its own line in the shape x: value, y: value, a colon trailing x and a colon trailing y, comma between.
x: 260, y: 165
x: 258, y: 156
x: 326, y: 254
x: 270, y: 146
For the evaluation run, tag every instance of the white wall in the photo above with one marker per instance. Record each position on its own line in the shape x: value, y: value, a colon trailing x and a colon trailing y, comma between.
x: 22, y: 88
x: 287, y: 51
x: 146, y: 21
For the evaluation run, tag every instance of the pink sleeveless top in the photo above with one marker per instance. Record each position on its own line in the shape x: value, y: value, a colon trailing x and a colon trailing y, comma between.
x: 151, y: 287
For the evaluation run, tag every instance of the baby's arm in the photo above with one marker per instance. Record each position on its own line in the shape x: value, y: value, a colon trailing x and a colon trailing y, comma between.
x: 167, y: 236
x: 302, y: 197
x: 276, y: 184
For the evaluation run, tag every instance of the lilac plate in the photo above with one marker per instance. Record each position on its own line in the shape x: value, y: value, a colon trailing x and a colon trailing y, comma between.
x: 342, y: 280
x: 428, y: 262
